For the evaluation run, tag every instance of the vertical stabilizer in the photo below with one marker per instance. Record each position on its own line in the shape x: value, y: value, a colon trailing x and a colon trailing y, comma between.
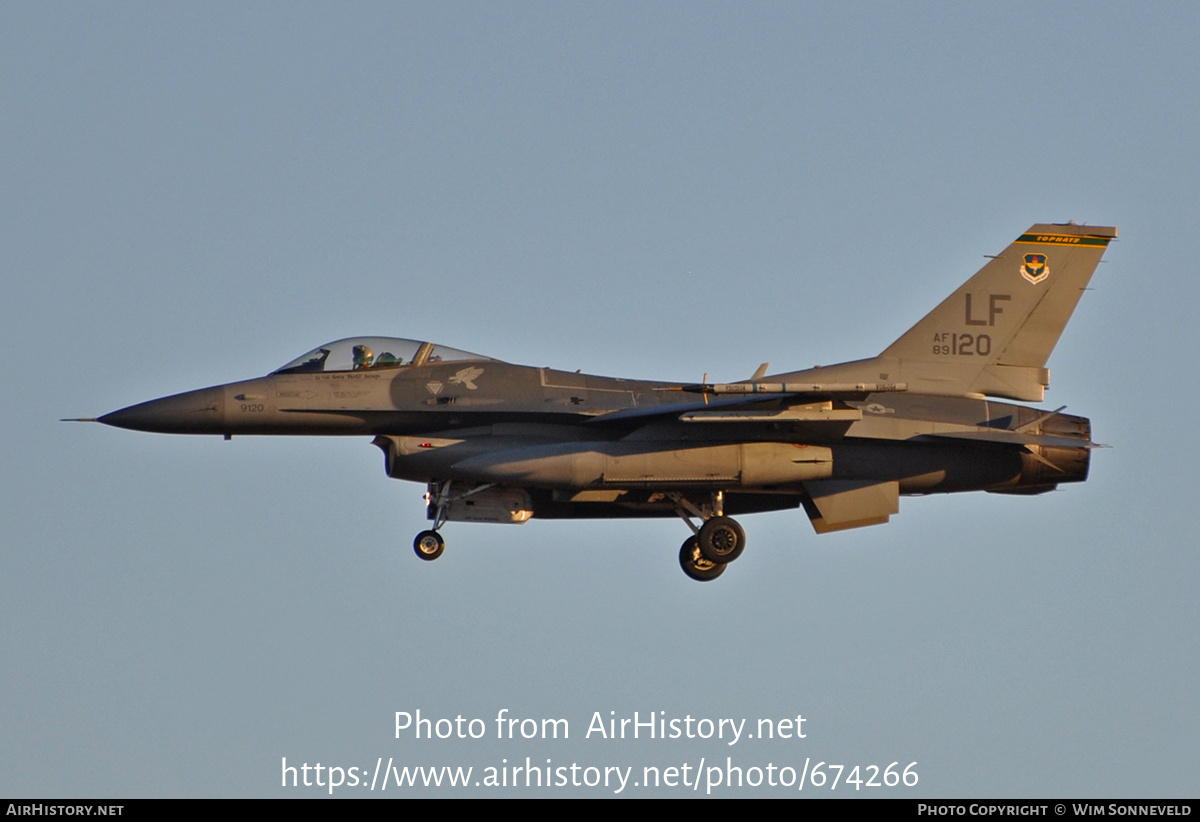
x: 994, y: 334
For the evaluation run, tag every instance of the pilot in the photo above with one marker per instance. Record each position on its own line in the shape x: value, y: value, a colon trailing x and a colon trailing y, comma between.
x: 363, y: 357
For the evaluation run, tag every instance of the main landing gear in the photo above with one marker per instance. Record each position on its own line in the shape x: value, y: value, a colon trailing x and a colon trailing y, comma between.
x: 717, y: 542
x: 695, y: 565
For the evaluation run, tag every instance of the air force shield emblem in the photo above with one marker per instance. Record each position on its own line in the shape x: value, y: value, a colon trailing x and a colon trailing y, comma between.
x: 1036, y: 268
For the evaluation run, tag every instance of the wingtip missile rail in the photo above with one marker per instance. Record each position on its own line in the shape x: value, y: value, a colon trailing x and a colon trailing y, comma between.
x: 791, y: 388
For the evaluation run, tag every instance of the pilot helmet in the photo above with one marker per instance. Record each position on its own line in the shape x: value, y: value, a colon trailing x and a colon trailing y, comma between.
x: 363, y: 355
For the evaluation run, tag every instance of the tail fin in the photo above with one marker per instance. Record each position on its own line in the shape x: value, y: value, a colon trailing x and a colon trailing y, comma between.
x: 995, y: 333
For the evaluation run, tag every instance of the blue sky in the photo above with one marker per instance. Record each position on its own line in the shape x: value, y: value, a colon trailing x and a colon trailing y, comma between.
x: 199, y: 193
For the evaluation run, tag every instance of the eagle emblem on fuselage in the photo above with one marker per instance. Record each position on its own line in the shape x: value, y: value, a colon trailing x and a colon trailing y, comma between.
x: 466, y: 377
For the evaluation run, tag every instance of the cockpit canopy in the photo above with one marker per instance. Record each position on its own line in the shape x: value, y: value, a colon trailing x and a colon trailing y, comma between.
x: 371, y: 354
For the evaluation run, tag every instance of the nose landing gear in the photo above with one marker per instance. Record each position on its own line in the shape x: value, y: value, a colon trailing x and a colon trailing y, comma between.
x: 429, y: 545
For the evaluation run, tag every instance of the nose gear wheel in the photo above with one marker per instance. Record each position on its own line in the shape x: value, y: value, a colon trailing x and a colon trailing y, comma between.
x: 429, y: 545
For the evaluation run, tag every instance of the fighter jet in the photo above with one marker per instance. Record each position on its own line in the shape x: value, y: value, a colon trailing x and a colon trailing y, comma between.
x: 502, y: 443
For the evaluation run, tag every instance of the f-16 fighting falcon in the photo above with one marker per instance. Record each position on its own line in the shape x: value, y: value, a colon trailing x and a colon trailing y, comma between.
x: 503, y: 443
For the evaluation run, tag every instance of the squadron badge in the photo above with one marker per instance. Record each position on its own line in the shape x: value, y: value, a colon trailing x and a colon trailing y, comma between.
x: 1036, y: 268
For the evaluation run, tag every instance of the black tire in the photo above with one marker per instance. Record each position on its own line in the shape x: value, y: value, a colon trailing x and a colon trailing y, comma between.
x: 721, y: 540
x: 429, y: 545
x: 695, y: 565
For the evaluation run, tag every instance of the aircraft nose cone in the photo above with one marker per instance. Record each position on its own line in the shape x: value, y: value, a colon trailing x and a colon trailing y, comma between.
x: 193, y: 412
